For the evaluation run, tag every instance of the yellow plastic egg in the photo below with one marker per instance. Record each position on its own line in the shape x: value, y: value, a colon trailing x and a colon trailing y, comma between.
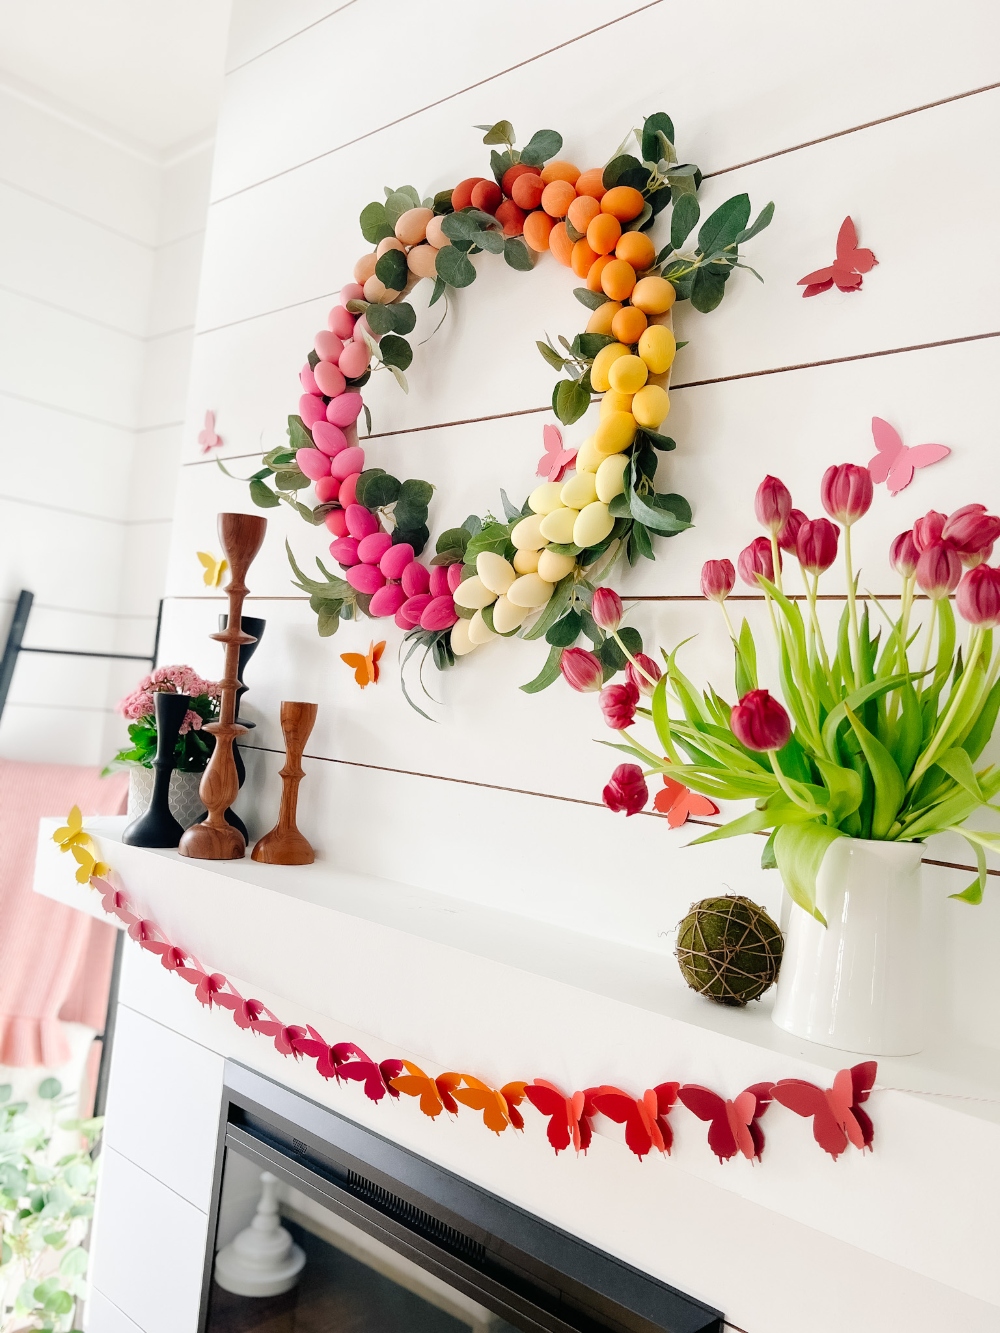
x: 653, y: 296
x: 494, y: 571
x: 650, y: 406
x: 525, y: 562
x: 600, y: 320
x: 658, y: 347
x: 628, y: 374
x: 507, y: 616
x: 579, y: 490
x: 613, y: 401
x: 593, y: 524
x: 543, y: 499
x: 615, y: 433
x: 529, y: 591
x: 460, y: 641
x: 588, y: 458
x: 558, y: 526
x: 479, y: 631
x: 527, y: 534
x: 473, y: 593
x: 603, y: 362
x: 553, y: 567
x: 611, y: 477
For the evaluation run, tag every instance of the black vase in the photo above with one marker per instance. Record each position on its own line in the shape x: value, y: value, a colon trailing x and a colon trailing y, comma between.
x: 157, y: 827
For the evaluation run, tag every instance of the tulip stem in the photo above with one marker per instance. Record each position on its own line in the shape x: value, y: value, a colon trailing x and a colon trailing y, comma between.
x: 904, y: 661
x: 925, y: 659
x: 814, y: 627
x: 927, y: 758
x: 776, y: 562
x: 729, y: 623
x: 852, y: 604
x: 641, y: 670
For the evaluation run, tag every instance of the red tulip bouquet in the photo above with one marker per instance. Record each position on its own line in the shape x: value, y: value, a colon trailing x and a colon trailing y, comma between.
x: 880, y: 731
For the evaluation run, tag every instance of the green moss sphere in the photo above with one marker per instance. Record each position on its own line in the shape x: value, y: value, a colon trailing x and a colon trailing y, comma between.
x: 729, y: 949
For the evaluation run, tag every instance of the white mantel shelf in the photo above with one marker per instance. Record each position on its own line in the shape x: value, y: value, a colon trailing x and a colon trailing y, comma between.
x: 457, y: 985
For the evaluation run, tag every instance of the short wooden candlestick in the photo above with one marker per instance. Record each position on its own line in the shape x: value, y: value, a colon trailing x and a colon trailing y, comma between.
x: 214, y: 839
x: 285, y: 845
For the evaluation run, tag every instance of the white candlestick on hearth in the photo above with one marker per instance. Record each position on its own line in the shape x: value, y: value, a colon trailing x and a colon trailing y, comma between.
x: 263, y: 1260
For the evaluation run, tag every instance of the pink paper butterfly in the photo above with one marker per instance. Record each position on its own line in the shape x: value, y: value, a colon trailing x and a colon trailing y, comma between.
x: 555, y: 461
x: 895, y: 461
x: 207, y: 437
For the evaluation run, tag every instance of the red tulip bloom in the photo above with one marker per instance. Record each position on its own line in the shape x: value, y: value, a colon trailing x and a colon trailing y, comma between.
x: 581, y: 669
x: 760, y: 722
x: 971, y: 531
x: 903, y: 555
x: 846, y: 491
x: 757, y: 558
x: 788, y: 535
x: 772, y: 505
x: 938, y: 571
x: 618, y: 704
x: 816, y: 546
x: 927, y: 531
x: 717, y: 579
x: 978, y: 597
x: 627, y: 790
x: 607, y: 609
x: 649, y: 667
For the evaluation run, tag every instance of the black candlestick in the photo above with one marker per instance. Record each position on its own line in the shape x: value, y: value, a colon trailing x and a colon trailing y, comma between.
x: 157, y: 827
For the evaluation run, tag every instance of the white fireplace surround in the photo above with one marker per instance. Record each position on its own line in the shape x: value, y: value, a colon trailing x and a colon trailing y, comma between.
x: 903, y: 1237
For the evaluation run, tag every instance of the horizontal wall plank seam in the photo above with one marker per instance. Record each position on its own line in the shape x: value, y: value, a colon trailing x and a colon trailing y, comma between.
x: 168, y: 333
x: 71, y: 412
x: 74, y: 314
x: 523, y: 791
x: 866, y: 596
x: 183, y: 1198
x: 290, y: 38
x: 74, y: 213
x: 247, y: 319
x: 449, y: 97
x: 58, y: 509
x: 78, y: 610
x: 674, y: 388
x: 61, y: 708
x: 128, y: 1318
x: 174, y: 1032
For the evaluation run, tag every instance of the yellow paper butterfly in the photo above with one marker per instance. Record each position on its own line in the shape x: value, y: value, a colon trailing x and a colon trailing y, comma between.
x: 89, y: 867
x: 366, y: 668
x: 214, y: 569
x: 72, y: 837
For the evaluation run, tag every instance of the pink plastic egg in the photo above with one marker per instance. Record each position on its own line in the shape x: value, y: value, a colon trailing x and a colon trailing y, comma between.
x: 354, y: 360
x: 307, y: 379
x: 454, y: 575
x: 348, y: 461
x: 387, y: 600
x: 361, y: 522
x: 363, y: 326
x: 413, y: 608
x: 336, y: 522
x: 313, y: 463
x: 349, y: 490
x: 365, y: 578
x: 372, y: 549
x: 341, y: 321
x: 403, y: 620
x: 328, y: 345
x: 330, y: 378
x: 439, y: 613
x: 344, y: 550
x: 344, y: 411
x: 352, y: 292
x: 439, y: 581
x: 416, y: 579
x: 327, y: 490
x: 311, y: 410
x: 395, y: 560
x: 331, y: 439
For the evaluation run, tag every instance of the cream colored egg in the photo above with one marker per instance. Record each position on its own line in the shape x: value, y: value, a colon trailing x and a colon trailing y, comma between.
x: 543, y: 499
x: 553, y: 567
x: 588, y: 456
x: 611, y: 477
x: 422, y: 261
x: 473, y: 593
x: 435, y: 234
x: 479, y: 631
x: 527, y: 534
x: 529, y: 591
x: 593, y: 524
x: 558, y: 526
x: 494, y: 571
x: 460, y: 641
x: 411, y: 226
x: 579, y: 491
x: 507, y: 616
x: 526, y: 562
x: 378, y: 292
x: 386, y: 244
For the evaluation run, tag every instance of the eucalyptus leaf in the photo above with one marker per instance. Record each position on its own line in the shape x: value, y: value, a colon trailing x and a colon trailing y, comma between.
x: 565, y: 632
x: 570, y: 401
x: 517, y: 254
x: 375, y: 225
x: 721, y: 228
x: 400, y: 202
x: 762, y: 220
x: 550, y: 354
x: 625, y: 170
x: 400, y: 378
x: 399, y: 317
x: 395, y: 351
x: 453, y: 539
x: 501, y: 132
x: 707, y: 289
x: 391, y: 270
x: 380, y: 490
x: 684, y: 219
x: 548, y: 674
x: 543, y: 145
x: 298, y: 436
x: 262, y: 495
x: 592, y: 300
x: 454, y: 267
x: 652, y: 127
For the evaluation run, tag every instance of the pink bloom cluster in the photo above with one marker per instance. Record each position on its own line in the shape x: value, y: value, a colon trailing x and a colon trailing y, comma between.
x: 169, y: 680
x: 939, y: 546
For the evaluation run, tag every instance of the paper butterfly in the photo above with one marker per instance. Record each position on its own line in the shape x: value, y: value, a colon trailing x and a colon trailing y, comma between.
x: 846, y: 270
x: 207, y: 437
x: 679, y: 803
x: 895, y: 461
x: 569, y: 1117
x: 644, y: 1118
x: 284, y: 1037
x: 499, y: 1106
x: 734, y: 1126
x: 72, y: 833
x: 555, y: 461
x: 837, y: 1115
x: 89, y: 866
x: 214, y: 569
x: 209, y: 986
x: 366, y: 668
x: 435, y: 1093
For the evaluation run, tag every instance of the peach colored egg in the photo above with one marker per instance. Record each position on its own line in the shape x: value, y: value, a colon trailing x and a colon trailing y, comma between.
x: 422, y: 261
x: 411, y: 227
x: 354, y: 360
x: 435, y: 233
x: 378, y: 292
x: 364, y: 269
x: 388, y: 243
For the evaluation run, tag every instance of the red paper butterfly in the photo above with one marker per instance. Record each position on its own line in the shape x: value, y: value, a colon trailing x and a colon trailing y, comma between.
x: 435, y: 1093
x: 173, y: 958
x: 207, y: 437
x: 284, y: 1037
x: 569, y: 1117
x: 644, y: 1118
x: 208, y: 986
x: 734, y: 1126
x: 895, y: 461
x: 498, y: 1105
x: 846, y: 270
x: 353, y: 1063
x: 556, y: 460
x: 837, y: 1115
x: 247, y: 1013
x: 679, y: 803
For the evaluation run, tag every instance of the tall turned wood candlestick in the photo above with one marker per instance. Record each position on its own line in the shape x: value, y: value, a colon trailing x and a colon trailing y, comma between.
x: 214, y: 839
x: 285, y: 845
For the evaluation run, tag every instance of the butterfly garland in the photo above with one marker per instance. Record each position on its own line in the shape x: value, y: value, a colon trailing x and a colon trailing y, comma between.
x: 838, y: 1120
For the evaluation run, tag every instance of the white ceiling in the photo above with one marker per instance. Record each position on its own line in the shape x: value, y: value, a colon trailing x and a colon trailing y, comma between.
x: 148, y: 70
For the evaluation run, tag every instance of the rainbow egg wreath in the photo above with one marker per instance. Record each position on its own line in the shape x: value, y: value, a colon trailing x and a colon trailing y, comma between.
x: 533, y: 573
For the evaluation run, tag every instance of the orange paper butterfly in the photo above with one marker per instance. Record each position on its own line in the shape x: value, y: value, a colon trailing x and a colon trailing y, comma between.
x: 679, y: 803
x: 435, y: 1093
x: 499, y: 1106
x: 366, y: 668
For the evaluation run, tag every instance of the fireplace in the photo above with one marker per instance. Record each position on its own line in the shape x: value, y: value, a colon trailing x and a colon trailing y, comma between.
x: 376, y: 1239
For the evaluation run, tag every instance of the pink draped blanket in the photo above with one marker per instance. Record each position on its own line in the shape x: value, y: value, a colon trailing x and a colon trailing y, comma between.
x: 54, y: 963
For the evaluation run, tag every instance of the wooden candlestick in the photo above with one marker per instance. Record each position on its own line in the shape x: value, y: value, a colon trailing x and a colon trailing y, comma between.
x: 285, y: 845
x: 214, y: 839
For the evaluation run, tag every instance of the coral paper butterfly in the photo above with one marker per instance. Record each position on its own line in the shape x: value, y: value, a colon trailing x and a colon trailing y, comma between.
x: 895, y: 461
x: 366, y: 665
x: 847, y: 270
x: 569, y: 1117
x: 679, y: 803
x: 644, y: 1118
x: 734, y: 1128
x: 836, y: 1112
x: 556, y: 460
x: 207, y: 437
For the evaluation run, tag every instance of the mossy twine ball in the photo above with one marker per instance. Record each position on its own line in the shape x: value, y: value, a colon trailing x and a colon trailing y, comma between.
x: 729, y: 949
